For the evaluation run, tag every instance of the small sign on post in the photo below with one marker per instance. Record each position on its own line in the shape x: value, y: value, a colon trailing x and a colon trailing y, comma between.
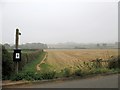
x: 17, y: 52
x: 17, y: 55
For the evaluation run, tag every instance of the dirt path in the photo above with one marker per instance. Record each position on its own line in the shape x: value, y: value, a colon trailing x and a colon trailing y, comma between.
x: 43, y: 61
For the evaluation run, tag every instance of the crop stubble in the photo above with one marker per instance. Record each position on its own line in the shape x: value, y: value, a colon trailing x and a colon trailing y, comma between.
x: 60, y: 59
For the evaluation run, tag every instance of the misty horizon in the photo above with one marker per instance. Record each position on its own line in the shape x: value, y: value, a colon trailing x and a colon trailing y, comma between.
x: 61, y: 43
x: 60, y: 22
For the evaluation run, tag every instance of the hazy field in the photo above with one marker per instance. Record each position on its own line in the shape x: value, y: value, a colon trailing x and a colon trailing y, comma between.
x: 60, y: 59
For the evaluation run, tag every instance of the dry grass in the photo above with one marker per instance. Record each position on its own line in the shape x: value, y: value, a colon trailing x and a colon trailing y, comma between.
x: 60, y: 59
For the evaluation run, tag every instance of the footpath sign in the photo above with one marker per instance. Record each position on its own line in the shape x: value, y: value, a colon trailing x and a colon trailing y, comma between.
x: 17, y: 52
x: 17, y: 55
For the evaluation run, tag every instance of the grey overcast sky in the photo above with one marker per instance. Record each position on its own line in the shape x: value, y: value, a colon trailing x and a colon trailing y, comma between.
x: 57, y: 21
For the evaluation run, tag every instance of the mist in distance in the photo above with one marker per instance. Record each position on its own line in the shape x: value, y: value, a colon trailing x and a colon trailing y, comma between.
x: 60, y: 22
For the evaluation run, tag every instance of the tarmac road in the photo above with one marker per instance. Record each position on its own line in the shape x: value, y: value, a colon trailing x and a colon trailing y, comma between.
x: 110, y: 81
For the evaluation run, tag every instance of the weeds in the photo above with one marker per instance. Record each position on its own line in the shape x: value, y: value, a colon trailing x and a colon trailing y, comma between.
x: 114, y: 63
x: 66, y: 72
x: 78, y: 72
x: 30, y: 76
x: 48, y: 75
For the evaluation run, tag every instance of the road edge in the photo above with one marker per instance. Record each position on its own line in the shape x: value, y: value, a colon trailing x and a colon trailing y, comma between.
x: 57, y: 79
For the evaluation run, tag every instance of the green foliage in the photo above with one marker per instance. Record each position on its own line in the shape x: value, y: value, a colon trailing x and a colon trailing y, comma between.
x: 48, y: 75
x: 97, y: 63
x: 114, y: 62
x: 30, y: 76
x: 31, y: 66
x: 100, y: 70
x: 66, y: 72
x: 45, y: 67
x: 78, y: 72
x: 17, y: 77
x: 29, y: 57
x: 0, y: 52
x: 38, y: 76
x: 7, y: 64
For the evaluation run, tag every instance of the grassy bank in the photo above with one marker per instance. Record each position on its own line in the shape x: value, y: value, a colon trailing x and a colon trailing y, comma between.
x: 31, y: 67
x: 29, y: 71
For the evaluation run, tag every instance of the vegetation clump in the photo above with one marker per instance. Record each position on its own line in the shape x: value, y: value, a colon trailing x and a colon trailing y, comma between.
x: 7, y: 64
x: 30, y: 76
x: 114, y: 63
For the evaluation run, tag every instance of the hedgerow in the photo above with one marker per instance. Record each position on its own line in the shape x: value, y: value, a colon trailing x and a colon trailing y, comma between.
x: 8, y: 66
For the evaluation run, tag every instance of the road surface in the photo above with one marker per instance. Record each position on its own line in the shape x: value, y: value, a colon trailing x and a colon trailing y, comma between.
x: 110, y: 81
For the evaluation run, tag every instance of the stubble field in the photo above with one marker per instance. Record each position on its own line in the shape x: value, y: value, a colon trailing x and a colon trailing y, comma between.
x: 60, y: 59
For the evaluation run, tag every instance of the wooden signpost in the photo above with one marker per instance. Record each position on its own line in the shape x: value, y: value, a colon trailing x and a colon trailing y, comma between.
x: 17, y: 52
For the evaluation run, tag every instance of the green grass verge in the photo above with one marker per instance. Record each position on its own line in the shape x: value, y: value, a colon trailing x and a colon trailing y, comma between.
x: 31, y: 67
x: 29, y: 72
x: 45, y: 67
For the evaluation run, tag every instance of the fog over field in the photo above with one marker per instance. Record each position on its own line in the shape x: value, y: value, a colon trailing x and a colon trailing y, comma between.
x: 60, y: 21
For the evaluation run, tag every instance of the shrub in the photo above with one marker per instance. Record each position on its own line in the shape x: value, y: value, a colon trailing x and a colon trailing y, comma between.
x: 114, y: 63
x: 33, y: 76
x: 66, y: 72
x: 97, y: 63
x: 38, y: 76
x: 7, y: 64
x: 100, y: 70
x: 26, y: 76
x: 29, y: 75
x: 78, y: 72
x: 17, y: 77
x: 48, y: 75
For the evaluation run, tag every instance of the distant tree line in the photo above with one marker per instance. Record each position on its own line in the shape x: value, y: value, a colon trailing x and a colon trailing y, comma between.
x: 28, y: 46
x: 84, y: 46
